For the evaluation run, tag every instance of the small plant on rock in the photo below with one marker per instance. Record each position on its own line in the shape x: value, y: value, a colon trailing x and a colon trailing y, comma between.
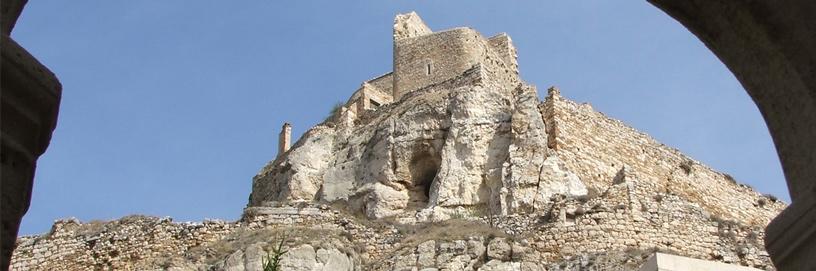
x: 272, y: 260
x: 334, y: 110
x: 687, y: 166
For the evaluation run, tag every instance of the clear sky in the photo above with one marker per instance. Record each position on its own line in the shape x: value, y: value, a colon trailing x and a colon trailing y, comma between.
x: 170, y: 107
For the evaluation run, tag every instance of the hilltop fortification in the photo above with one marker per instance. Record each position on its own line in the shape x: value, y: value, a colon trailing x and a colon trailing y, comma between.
x: 450, y: 162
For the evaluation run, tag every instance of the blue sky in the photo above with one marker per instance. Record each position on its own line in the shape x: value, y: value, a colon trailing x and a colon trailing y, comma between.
x: 170, y: 107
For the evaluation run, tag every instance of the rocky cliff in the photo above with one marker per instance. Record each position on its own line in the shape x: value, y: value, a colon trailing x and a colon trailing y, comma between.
x: 467, y: 171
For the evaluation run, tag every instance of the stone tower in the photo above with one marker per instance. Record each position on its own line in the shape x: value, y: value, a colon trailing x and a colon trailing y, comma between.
x: 423, y: 57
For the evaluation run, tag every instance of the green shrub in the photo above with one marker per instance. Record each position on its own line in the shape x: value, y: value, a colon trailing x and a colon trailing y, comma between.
x: 272, y: 260
x: 334, y: 110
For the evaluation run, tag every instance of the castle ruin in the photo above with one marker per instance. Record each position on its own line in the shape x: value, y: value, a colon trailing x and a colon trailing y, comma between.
x: 451, y: 162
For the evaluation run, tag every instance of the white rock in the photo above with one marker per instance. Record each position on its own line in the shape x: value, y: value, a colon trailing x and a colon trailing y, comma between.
x: 300, y: 258
x: 332, y: 259
x: 499, y: 249
x: 235, y: 262
x: 497, y: 265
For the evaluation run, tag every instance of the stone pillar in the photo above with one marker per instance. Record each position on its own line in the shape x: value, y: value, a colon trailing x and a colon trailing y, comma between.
x: 29, y: 103
x: 285, y: 138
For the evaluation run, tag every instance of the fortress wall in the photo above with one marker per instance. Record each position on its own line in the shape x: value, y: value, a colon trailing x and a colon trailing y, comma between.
x: 678, y: 233
x: 667, y: 223
x: 377, y: 90
x: 150, y: 243
x: 503, y: 45
x: 628, y: 222
x: 384, y: 84
x: 631, y: 217
x: 374, y: 94
x: 432, y: 58
x: 131, y: 243
x: 596, y: 147
x: 449, y: 54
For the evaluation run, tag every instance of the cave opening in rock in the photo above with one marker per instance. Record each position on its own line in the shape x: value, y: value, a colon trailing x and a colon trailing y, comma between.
x: 423, y: 167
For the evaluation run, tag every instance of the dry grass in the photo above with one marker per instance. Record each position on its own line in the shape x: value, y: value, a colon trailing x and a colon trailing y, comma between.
x: 270, y: 237
x: 448, y: 230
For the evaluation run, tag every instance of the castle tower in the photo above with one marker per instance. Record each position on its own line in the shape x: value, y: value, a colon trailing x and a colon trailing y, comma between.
x: 423, y: 57
x: 285, y: 138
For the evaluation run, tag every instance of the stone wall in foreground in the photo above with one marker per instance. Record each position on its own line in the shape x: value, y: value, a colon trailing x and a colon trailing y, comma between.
x: 133, y: 242
x: 618, y: 227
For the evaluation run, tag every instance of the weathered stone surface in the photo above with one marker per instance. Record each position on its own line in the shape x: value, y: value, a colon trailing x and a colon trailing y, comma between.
x: 254, y: 257
x: 409, y: 25
x: 499, y: 249
x: 332, y: 259
x: 235, y: 262
x: 427, y: 254
x: 498, y: 265
x: 300, y: 258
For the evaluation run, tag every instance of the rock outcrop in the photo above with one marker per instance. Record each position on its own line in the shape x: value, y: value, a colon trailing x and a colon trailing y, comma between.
x: 476, y: 141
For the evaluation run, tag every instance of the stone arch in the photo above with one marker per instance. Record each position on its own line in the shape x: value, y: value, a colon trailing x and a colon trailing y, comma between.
x: 770, y: 47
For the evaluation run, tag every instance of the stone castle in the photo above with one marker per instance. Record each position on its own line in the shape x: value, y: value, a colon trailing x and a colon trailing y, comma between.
x: 450, y: 162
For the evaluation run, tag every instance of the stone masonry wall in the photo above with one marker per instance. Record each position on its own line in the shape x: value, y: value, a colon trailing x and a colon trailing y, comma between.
x: 384, y: 84
x: 432, y: 58
x: 641, y: 218
x: 629, y: 218
x: 135, y: 242
x: 596, y: 147
x: 378, y: 90
x: 503, y: 45
x: 428, y: 59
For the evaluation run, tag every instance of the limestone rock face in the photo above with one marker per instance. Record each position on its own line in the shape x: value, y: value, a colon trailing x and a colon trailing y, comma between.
x: 457, y: 139
x: 300, y: 258
x: 475, y: 142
